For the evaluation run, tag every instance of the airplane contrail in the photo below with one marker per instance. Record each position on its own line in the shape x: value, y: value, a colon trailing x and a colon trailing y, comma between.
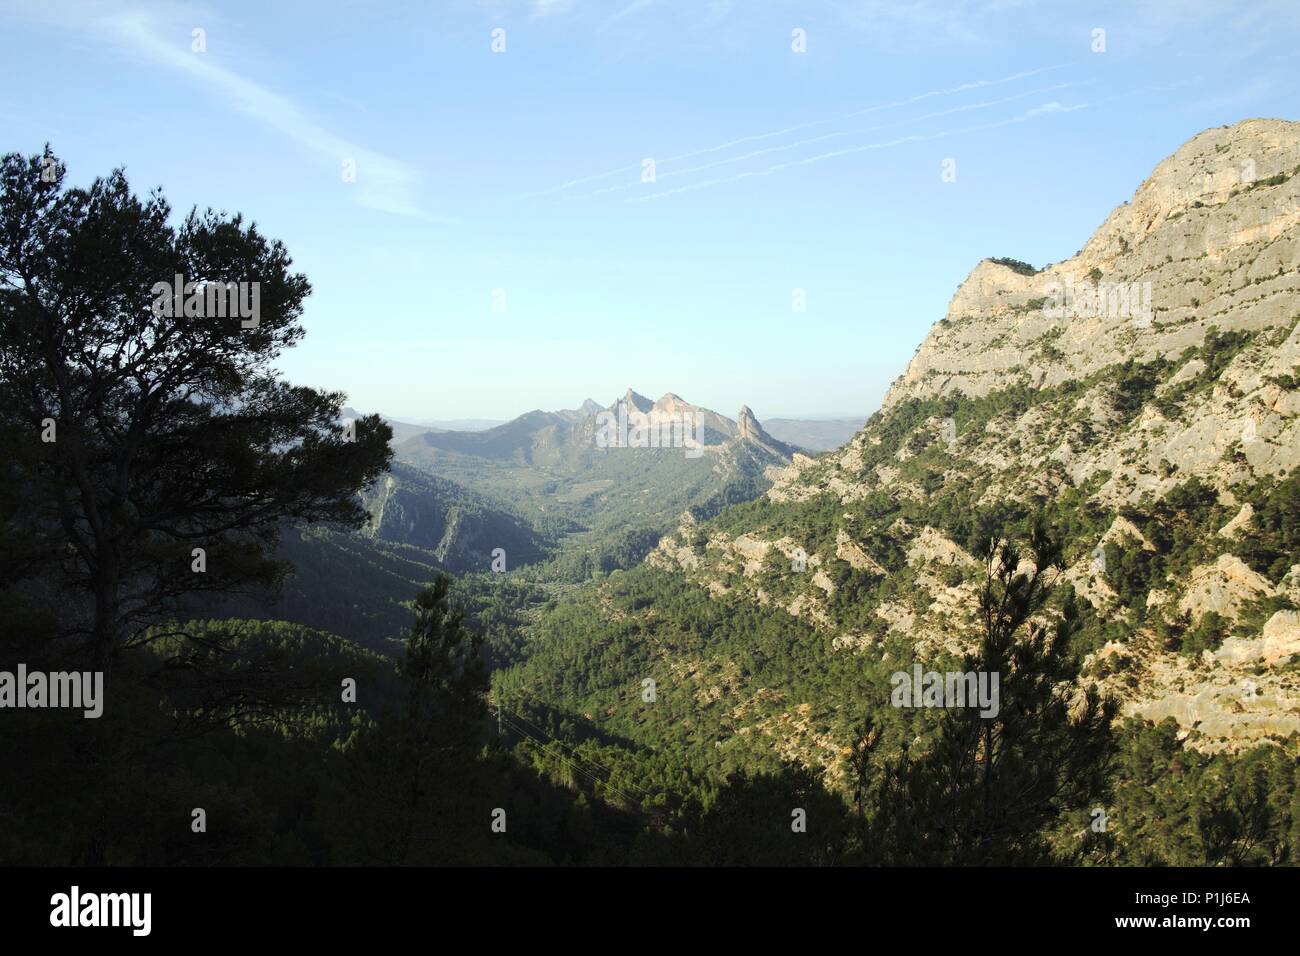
x: 817, y: 139
x: 1043, y: 110
x: 961, y: 88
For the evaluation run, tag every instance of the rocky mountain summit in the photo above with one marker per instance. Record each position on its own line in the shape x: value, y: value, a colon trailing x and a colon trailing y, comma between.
x: 749, y: 428
x: 717, y: 428
x: 1213, y: 232
x: 1144, y: 395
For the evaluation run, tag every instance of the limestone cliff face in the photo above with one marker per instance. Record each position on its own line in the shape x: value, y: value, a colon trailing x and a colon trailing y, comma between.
x: 1215, y: 233
x: 718, y: 429
x: 749, y: 429
x: 1164, y: 355
x: 671, y: 404
x: 1210, y: 231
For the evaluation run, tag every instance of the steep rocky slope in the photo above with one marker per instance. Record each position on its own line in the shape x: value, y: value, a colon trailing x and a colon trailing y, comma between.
x: 1145, y: 394
x: 457, y: 527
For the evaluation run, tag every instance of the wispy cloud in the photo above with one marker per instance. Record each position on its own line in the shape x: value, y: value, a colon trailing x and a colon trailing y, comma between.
x: 1043, y: 110
x: 757, y: 137
x: 785, y: 147
x: 142, y: 32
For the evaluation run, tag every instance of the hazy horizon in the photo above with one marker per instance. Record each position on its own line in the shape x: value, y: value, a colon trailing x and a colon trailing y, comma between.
x: 427, y: 420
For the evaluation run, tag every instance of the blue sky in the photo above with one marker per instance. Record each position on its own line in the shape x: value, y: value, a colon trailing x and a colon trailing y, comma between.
x: 521, y: 171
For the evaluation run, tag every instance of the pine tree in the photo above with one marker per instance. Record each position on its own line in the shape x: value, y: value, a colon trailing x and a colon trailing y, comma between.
x: 141, y: 425
x: 416, y: 788
x: 989, y: 788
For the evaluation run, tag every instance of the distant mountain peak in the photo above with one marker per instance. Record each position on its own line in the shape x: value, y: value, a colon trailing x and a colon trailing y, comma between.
x: 746, y: 426
x: 749, y: 429
x: 1222, y: 200
x: 672, y: 403
x: 637, y: 401
x: 587, y: 409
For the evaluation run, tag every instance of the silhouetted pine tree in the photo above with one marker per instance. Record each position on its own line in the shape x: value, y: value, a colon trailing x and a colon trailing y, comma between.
x: 415, y: 792
x: 987, y: 789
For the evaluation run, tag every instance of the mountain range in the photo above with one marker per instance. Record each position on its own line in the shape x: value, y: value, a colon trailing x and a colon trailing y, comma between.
x: 551, y: 466
x: 808, y: 434
x: 535, y: 492
x: 1163, y: 441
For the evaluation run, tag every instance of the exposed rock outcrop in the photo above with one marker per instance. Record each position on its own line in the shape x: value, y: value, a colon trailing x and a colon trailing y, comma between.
x: 1163, y: 356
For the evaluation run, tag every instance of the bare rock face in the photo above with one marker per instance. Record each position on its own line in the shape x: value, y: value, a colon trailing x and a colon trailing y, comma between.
x: 1281, y: 636
x: 859, y: 560
x: 674, y: 405
x: 1216, y: 244
x: 637, y: 401
x: 1279, y: 641
x: 1239, y: 711
x: 932, y: 549
x: 1122, y: 531
x: 718, y: 429
x: 1223, y: 587
x: 1165, y: 355
x: 1238, y: 524
x: 749, y: 429
x: 1212, y: 239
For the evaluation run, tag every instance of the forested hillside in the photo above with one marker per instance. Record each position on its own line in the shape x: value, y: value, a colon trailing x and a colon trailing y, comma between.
x: 1159, y: 449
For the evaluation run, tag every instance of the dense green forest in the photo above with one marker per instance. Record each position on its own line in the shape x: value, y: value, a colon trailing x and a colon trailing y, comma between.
x: 290, y: 774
